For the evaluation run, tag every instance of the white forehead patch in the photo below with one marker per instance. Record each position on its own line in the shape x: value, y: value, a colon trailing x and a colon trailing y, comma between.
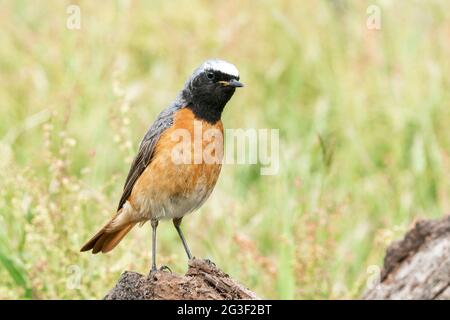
x: 220, y: 65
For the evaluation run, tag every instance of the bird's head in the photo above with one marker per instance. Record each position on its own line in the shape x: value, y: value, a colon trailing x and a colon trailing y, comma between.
x: 210, y: 87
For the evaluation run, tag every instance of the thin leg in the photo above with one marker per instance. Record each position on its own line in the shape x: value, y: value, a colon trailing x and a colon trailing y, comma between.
x: 177, y: 223
x: 154, y: 226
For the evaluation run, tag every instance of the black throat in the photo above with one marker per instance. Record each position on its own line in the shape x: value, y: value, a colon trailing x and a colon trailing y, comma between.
x: 207, y: 106
x: 208, y: 114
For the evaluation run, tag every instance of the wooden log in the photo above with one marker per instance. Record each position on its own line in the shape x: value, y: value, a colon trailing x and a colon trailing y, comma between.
x: 417, y: 267
x: 203, y: 280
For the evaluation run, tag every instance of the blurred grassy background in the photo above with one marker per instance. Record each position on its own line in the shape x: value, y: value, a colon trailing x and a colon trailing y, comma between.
x: 364, y: 125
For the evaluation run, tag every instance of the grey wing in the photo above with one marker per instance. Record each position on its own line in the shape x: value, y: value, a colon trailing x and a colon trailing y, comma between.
x: 146, y: 148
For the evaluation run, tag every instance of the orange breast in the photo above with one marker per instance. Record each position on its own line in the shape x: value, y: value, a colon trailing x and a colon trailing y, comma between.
x: 184, y: 170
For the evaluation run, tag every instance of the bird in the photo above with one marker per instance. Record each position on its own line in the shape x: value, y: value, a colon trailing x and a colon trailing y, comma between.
x: 159, y: 188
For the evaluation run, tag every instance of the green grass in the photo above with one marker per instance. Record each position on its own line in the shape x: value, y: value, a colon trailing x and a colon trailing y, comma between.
x: 364, y: 131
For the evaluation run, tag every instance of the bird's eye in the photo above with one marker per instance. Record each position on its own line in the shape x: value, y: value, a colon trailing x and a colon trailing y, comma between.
x: 210, y: 75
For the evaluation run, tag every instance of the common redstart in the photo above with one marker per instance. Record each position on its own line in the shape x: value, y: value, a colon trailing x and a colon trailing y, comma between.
x: 159, y: 186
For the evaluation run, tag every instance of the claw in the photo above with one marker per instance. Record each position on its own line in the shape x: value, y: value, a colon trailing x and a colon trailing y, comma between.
x: 210, y: 262
x: 164, y: 267
x: 152, y: 272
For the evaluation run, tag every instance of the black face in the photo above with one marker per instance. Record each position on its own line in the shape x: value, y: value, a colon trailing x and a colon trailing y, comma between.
x: 209, y: 92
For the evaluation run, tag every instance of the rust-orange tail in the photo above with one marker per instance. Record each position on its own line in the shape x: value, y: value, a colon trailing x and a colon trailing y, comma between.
x: 105, y: 240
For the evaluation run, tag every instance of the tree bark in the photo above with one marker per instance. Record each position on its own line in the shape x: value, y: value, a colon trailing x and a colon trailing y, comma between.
x: 417, y: 267
x: 203, y: 280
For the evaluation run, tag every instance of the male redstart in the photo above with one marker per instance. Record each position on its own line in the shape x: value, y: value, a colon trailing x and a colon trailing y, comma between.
x: 159, y: 185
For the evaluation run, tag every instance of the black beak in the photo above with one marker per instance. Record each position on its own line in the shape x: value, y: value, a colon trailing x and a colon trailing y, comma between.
x: 235, y: 84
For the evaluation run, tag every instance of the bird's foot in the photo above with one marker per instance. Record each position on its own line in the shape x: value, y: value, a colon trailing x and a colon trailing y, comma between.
x: 210, y: 262
x: 154, y: 270
x: 165, y: 268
